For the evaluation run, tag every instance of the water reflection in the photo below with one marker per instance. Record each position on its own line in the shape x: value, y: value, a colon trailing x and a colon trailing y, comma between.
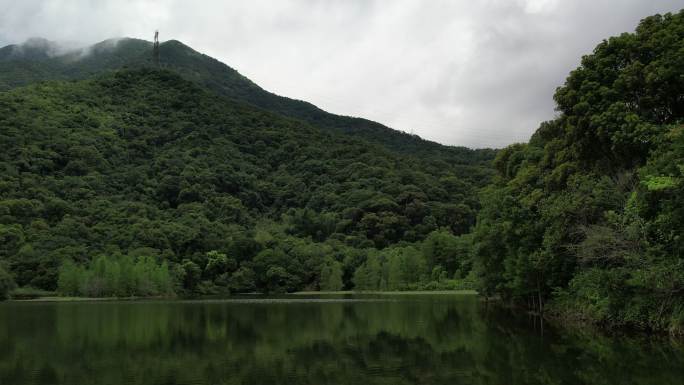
x: 368, y: 340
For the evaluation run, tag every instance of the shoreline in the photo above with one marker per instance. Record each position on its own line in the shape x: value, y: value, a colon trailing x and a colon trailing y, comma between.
x: 54, y: 298
x: 85, y: 299
x: 408, y: 292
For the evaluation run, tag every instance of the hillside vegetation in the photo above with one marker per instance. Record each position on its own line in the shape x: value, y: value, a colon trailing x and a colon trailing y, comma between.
x: 588, y: 216
x: 191, y: 179
x: 38, y: 60
x: 142, y: 163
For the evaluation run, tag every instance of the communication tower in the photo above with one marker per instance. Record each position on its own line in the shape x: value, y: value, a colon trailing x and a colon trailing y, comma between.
x: 155, y: 49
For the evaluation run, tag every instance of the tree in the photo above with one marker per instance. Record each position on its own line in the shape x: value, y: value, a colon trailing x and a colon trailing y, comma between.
x: 191, y: 274
x: 11, y: 239
x: 217, y: 264
x: 585, y: 218
x: 116, y: 277
x: 243, y: 280
x: 369, y: 275
x: 6, y: 284
x: 162, y: 280
x: 442, y: 248
x: 331, y: 275
x: 405, y: 268
x: 71, y: 278
x: 126, y: 283
x: 279, y: 280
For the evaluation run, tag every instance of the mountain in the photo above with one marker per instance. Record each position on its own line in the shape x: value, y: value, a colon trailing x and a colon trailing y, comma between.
x: 144, y: 163
x: 39, y: 59
x: 191, y: 179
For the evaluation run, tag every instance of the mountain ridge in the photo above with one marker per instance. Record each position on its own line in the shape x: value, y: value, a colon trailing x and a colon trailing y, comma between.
x: 112, y: 54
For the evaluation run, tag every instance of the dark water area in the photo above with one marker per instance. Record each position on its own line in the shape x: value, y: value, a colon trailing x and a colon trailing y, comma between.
x: 352, y: 339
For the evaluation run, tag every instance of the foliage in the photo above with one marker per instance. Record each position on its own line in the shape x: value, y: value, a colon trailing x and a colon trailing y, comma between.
x: 239, y: 190
x: 30, y: 293
x: 231, y: 197
x: 36, y: 61
x: 587, y: 217
x: 331, y: 276
x: 413, y: 267
x: 115, y: 277
x: 6, y: 284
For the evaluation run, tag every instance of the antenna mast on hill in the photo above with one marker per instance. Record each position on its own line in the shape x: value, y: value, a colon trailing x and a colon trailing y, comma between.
x: 155, y: 49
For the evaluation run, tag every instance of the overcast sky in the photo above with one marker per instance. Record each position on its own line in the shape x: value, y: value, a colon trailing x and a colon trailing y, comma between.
x: 460, y: 72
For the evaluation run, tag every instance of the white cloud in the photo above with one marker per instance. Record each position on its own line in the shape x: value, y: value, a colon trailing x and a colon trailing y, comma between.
x: 475, y: 73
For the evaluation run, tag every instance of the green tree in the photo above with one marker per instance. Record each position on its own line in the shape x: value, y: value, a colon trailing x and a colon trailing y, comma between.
x: 109, y: 277
x: 126, y: 282
x: 217, y: 264
x: 442, y: 248
x: 6, y: 284
x: 243, y: 280
x: 162, y: 280
x: 405, y: 268
x: 71, y: 279
x: 331, y: 275
x: 585, y: 219
x: 369, y: 275
x: 191, y: 274
x: 279, y: 280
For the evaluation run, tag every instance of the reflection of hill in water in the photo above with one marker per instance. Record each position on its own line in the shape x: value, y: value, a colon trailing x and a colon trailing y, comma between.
x: 431, y: 340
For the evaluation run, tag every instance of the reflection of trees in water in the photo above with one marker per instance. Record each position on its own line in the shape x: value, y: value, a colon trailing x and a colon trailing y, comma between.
x: 574, y: 356
x: 392, y: 342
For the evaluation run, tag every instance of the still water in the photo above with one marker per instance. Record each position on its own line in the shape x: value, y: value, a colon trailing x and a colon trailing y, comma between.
x: 412, y: 339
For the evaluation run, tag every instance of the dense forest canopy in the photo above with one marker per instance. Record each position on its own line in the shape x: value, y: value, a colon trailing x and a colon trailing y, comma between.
x: 589, y: 214
x: 123, y: 179
x: 142, y: 163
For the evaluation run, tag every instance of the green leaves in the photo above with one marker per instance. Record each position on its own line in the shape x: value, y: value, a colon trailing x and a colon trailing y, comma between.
x: 660, y: 183
x: 614, y: 104
x: 331, y: 276
x: 115, y: 277
x: 589, y: 214
x: 6, y: 283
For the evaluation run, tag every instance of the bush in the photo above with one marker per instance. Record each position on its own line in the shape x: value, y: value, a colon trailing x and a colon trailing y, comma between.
x: 29, y: 292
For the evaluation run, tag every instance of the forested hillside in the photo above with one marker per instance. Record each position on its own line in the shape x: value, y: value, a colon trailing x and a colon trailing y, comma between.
x: 190, y: 179
x: 39, y: 59
x: 101, y: 175
x: 588, y: 216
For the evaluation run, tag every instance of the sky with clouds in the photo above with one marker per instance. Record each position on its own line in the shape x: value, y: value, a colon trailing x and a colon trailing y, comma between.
x: 460, y: 72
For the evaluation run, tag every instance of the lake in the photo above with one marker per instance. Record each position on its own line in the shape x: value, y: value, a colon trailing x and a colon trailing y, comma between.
x: 344, y: 339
